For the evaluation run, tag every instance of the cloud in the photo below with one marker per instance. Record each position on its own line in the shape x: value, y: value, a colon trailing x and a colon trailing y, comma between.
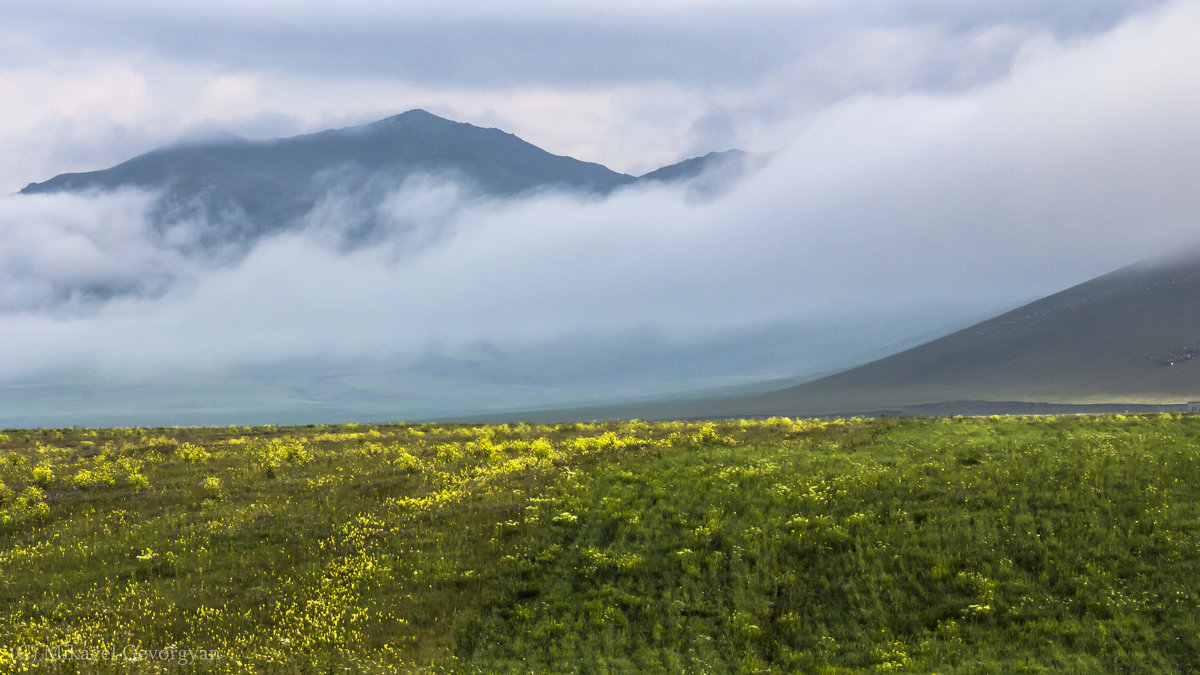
x: 1077, y: 158
x: 87, y: 85
x: 81, y: 249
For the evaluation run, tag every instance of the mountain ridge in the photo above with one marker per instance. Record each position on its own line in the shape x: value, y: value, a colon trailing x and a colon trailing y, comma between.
x: 409, y: 136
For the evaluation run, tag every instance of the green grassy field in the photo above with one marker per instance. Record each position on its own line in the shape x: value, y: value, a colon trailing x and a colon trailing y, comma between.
x: 1068, y: 544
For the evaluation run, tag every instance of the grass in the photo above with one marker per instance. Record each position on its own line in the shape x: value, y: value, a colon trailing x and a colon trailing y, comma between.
x: 1050, y: 544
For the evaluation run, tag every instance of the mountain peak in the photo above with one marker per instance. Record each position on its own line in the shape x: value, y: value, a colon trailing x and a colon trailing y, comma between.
x: 414, y: 116
x: 413, y: 121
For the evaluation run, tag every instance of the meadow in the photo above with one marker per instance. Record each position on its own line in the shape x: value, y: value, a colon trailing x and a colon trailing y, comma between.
x: 957, y: 545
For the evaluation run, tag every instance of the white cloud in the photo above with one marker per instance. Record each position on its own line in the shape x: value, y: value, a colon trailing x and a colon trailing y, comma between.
x: 1072, y: 156
x: 80, y: 249
x: 87, y: 85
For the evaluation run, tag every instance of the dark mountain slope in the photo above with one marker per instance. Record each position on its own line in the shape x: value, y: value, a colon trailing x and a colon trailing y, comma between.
x: 1131, y: 336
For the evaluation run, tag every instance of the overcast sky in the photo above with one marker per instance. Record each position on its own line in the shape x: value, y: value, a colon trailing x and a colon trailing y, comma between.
x: 632, y: 85
x: 930, y: 156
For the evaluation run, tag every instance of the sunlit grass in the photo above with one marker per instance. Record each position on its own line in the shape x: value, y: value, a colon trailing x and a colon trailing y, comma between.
x: 951, y: 546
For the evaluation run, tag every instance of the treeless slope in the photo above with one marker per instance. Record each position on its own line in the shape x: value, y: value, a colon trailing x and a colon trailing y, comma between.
x: 1131, y: 336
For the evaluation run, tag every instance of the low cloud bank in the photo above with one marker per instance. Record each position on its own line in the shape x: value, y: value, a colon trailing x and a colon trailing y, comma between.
x: 75, y: 249
x: 952, y: 206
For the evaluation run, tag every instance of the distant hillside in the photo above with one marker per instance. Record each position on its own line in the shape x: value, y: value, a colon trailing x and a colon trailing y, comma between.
x: 1131, y: 336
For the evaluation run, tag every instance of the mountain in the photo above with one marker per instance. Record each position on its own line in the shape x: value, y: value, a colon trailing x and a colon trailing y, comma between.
x: 248, y: 188
x: 244, y: 189
x: 688, y: 169
x: 1128, y: 337
x: 709, y: 175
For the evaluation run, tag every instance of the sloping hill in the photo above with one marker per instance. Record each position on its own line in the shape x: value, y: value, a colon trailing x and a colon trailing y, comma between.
x: 1131, y: 336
